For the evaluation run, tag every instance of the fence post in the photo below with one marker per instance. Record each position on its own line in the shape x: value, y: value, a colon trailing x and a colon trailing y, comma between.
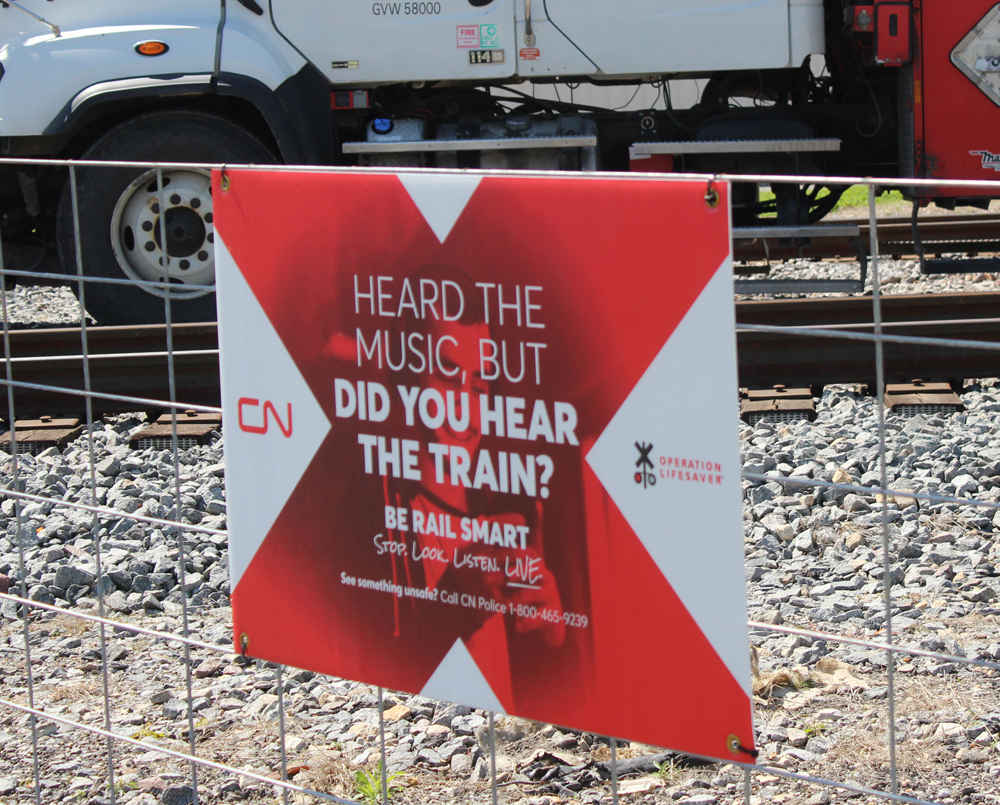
x: 96, y: 528
x: 19, y: 525
x: 175, y: 446
x: 883, y: 481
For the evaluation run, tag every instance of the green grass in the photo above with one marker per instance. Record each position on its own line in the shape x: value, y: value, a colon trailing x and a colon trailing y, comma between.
x: 855, y: 197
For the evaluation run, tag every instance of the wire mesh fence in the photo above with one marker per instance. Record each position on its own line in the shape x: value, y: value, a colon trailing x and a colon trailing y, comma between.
x: 118, y: 659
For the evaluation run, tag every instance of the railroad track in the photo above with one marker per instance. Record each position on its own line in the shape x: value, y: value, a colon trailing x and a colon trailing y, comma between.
x: 132, y: 361
x: 768, y: 358
x: 124, y: 361
x: 939, y: 234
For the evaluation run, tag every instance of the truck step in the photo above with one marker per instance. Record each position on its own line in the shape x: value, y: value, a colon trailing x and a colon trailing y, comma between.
x: 577, y: 141
x: 820, y: 231
x: 735, y: 146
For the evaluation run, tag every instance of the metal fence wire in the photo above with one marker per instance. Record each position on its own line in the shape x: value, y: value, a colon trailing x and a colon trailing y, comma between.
x: 118, y: 689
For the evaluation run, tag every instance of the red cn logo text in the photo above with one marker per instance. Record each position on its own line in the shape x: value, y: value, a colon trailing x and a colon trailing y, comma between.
x: 268, y: 406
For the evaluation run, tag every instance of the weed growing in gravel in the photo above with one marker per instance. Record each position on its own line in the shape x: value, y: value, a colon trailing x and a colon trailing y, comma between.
x: 72, y: 692
x: 368, y: 786
x: 146, y: 732
x: 669, y: 772
x: 920, y: 702
x: 816, y: 728
x: 121, y: 789
x: 68, y: 626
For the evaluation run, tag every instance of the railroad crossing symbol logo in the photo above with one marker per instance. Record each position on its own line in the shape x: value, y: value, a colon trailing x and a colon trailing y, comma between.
x: 642, y: 475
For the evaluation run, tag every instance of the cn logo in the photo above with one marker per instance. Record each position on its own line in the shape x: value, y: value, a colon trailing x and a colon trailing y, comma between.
x: 268, y: 406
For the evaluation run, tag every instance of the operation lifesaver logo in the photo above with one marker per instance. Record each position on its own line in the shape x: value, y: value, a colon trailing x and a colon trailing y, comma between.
x: 644, y: 473
x: 674, y: 468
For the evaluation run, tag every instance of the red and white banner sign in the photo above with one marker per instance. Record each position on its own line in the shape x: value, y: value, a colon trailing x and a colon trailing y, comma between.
x: 481, y: 443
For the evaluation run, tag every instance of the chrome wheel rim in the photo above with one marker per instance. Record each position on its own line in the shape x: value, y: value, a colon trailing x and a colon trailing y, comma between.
x: 137, y: 229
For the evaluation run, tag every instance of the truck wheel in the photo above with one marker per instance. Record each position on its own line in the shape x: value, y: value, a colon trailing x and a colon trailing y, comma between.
x: 120, y: 221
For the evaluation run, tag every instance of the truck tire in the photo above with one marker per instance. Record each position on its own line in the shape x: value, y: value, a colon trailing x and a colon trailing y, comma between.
x: 120, y: 223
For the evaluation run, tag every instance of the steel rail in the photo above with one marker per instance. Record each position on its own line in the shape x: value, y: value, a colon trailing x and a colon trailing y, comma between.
x: 939, y: 234
x: 835, y: 311
x: 912, y: 351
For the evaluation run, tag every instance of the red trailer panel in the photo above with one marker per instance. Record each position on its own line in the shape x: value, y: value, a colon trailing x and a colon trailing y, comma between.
x: 960, y: 121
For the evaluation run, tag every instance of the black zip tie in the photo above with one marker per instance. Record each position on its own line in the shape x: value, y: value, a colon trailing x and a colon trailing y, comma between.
x: 711, y: 194
x: 734, y: 745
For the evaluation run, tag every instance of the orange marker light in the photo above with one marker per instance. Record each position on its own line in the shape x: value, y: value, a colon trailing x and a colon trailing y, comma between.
x: 151, y: 48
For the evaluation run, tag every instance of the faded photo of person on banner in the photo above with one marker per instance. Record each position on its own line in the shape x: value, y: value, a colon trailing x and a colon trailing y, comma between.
x: 507, y: 598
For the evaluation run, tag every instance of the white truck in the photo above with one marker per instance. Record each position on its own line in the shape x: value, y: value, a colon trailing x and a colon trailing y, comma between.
x: 445, y: 83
